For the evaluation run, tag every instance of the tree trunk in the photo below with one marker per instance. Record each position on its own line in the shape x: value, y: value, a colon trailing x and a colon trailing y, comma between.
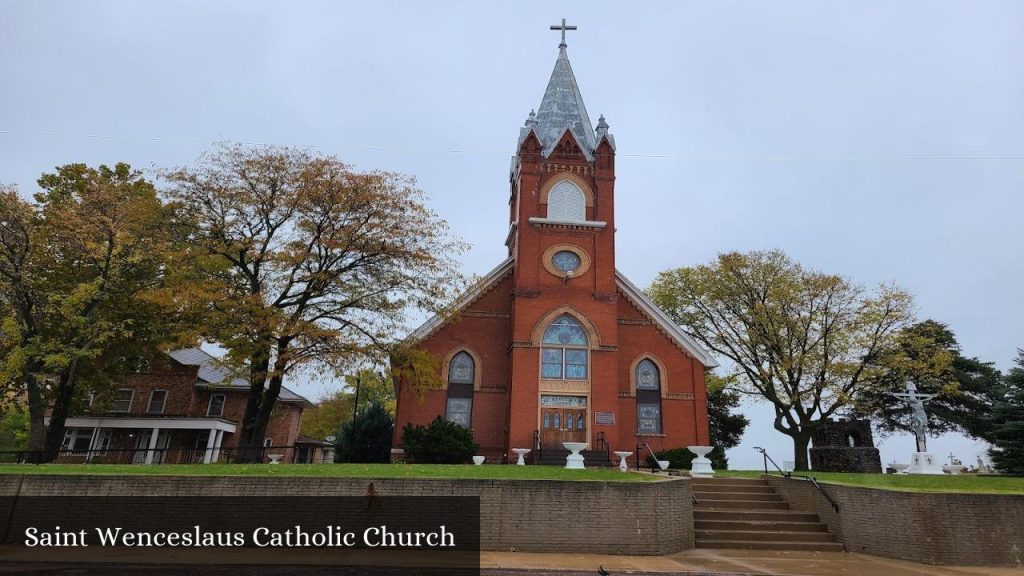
x: 59, y: 414
x: 800, y: 442
x: 261, y: 404
x: 36, y: 418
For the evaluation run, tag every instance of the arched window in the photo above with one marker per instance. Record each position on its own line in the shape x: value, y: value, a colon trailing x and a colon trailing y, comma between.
x: 461, y: 375
x: 567, y: 202
x: 648, y: 397
x: 461, y: 369
x: 564, y: 350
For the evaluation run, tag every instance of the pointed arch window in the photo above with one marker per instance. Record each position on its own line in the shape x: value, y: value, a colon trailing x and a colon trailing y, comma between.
x: 566, y: 202
x: 564, y: 350
x: 461, y: 376
x: 648, y: 397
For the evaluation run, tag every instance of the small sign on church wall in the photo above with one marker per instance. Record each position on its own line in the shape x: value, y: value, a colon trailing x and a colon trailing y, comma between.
x: 604, y: 418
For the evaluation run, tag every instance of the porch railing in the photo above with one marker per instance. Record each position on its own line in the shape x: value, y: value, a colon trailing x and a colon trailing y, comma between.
x: 265, y: 454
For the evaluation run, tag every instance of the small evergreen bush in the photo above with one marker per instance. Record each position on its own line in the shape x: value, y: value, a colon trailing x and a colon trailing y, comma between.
x: 440, y: 442
x: 366, y: 439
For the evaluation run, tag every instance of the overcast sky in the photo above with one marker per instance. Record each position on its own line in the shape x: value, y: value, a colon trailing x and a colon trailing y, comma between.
x: 880, y: 140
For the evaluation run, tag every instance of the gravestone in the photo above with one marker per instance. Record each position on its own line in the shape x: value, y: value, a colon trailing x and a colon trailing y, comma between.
x: 845, y: 446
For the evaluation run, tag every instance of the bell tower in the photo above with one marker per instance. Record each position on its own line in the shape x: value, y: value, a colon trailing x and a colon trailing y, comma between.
x: 562, y: 238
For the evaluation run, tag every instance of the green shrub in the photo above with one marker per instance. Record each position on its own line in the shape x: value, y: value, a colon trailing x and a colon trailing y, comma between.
x: 681, y: 458
x: 366, y: 439
x: 440, y: 442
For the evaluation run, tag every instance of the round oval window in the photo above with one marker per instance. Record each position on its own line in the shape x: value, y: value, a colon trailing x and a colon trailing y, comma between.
x: 566, y: 261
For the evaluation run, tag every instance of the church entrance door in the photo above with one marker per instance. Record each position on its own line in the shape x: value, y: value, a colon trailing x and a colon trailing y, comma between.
x: 563, y: 419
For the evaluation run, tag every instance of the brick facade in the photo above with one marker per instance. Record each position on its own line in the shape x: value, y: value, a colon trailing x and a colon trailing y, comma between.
x: 188, y: 397
x: 501, y: 323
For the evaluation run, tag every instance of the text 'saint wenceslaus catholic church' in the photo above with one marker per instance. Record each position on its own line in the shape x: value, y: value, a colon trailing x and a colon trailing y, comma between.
x: 555, y: 345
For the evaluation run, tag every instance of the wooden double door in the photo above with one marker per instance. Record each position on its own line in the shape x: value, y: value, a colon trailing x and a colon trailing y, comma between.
x: 561, y: 424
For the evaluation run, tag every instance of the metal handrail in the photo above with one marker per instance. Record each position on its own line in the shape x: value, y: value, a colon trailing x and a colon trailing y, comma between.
x: 639, y: 449
x: 785, y: 474
x: 822, y: 491
x: 767, y: 459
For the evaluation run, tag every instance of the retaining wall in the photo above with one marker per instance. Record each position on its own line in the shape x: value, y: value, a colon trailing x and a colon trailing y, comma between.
x: 934, y: 528
x: 642, y: 518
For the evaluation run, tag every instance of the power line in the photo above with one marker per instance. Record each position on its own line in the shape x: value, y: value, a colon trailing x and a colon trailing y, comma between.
x: 482, y: 152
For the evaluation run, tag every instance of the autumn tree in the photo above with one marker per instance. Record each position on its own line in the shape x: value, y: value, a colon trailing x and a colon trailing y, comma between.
x: 79, y: 268
x: 306, y: 264
x: 804, y: 341
x: 927, y: 353
x: 328, y: 414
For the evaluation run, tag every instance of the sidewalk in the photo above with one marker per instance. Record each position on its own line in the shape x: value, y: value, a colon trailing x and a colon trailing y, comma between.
x: 319, y: 561
x: 722, y: 562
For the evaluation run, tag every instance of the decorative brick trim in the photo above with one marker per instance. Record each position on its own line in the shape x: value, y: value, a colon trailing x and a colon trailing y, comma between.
x: 606, y: 297
x: 681, y: 396
x: 585, y: 170
x: 474, y: 314
x: 526, y: 293
x: 635, y: 322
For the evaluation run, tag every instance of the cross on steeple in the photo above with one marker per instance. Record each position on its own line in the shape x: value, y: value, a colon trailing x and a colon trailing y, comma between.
x: 563, y: 28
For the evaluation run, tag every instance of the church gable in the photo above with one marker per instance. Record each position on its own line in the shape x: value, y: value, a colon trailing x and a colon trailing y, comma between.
x: 476, y: 301
x: 656, y: 317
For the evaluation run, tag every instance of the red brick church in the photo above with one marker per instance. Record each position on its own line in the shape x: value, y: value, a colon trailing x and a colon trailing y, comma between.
x: 555, y: 344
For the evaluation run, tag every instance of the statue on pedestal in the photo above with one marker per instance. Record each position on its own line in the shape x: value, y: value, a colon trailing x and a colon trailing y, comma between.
x: 919, y: 419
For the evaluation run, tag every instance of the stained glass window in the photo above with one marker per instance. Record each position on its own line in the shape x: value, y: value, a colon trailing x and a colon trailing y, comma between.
x: 648, y: 397
x: 648, y: 418
x: 459, y: 410
x: 566, y: 261
x: 567, y: 331
x: 461, y: 369
x: 565, y: 361
x: 647, y: 376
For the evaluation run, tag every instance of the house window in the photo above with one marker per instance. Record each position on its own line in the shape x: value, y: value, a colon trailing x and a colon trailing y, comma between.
x: 123, y: 400
x: 648, y: 397
x: 216, y: 409
x: 157, y: 400
x: 80, y: 439
x: 564, y: 350
x: 461, y: 376
x: 566, y: 202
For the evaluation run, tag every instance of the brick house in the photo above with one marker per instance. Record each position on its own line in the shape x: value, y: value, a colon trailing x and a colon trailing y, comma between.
x: 183, y: 408
x: 555, y: 344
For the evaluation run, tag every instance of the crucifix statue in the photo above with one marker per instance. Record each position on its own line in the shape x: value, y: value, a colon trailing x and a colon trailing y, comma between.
x: 563, y: 28
x: 919, y: 418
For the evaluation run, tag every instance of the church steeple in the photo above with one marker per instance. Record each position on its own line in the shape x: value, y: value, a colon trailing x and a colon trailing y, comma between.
x: 562, y: 109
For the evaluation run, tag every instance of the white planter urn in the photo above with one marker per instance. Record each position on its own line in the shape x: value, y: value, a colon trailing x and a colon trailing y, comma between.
x: 701, y: 466
x: 623, y: 467
x: 574, y: 461
x: 478, y: 460
x: 520, y: 452
x: 899, y: 468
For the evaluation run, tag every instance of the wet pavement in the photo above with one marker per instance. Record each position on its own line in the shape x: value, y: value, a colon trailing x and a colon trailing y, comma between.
x: 313, y: 563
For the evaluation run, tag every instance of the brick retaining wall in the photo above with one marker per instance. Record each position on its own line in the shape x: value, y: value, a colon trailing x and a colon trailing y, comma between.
x: 934, y: 528
x: 643, y: 518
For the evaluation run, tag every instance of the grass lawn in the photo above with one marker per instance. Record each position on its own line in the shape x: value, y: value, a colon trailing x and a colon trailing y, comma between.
x: 488, y: 472
x: 910, y: 482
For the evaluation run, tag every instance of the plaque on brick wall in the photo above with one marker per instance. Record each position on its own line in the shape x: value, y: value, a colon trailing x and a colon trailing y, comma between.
x: 605, y: 418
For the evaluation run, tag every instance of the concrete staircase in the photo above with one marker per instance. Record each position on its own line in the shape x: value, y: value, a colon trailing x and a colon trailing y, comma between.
x: 749, y: 514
